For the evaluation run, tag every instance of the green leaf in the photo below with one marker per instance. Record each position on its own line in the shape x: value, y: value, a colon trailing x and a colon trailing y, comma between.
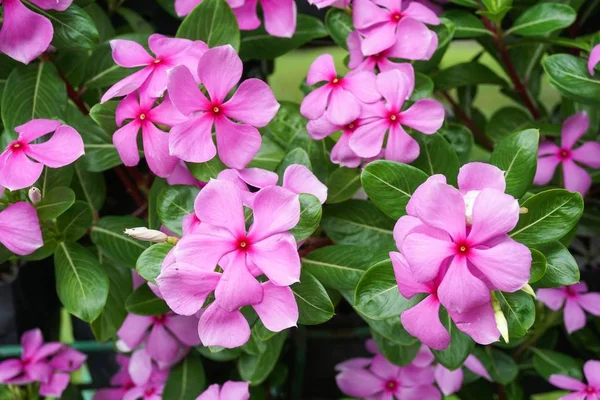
x: 501, y: 366
x: 466, y: 74
x: 75, y: 222
x: 110, y: 320
x: 89, y: 187
x: 542, y: 19
x: 423, y: 87
x: 377, y: 295
x: 467, y: 25
x: 157, y: 186
x: 310, y: 217
x: 149, y: 263
x: 175, y: 202
x: 100, y: 152
x: 144, y: 302
x: 186, y: 380
x: 32, y: 91
x: 213, y: 22
x: 506, y: 121
x: 460, y: 139
x: 561, y: 267
x: 461, y: 345
x: 519, y: 310
x: 81, y: 282
x: 394, y: 352
x: 256, y: 369
x: 296, y: 156
x: 101, y: 20
x: 569, y: 75
x: 437, y: 157
x: 314, y: 304
x: 551, y: 215
x: 538, y: 266
x: 74, y: 30
x: 495, y: 9
x: 54, y: 177
x: 260, y: 45
x: 220, y: 356
x: 207, y: 170
x: 55, y: 202
x: 268, y: 157
x: 109, y: 237
x: 516, y: 155
x: 343, y: 184
x: 135, y: 21
x: 360, y: 223
x: 445, y: 32
x: 339, y: 25
x: 390, y: 185
x: 547, y: 363
x: 338, y: 267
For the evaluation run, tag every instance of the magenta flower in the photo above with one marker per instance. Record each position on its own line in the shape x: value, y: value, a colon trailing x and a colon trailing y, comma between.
x: 254, y: 105
x: 575, y: 300
x: 167, y: 337
x: 18, y: 169
x: 594, y: 59
x: 384, y: 24
x: 581, y: 391
x: 329, y: 3
x: 450, y: 382
x: 184, y: 7
x: 143, y: 114
x: 359, y: 62
x: 152, y: 79
x: 181, y: 175
x: 340, y: 97
x: 341, y: 153
x: 25, y: 35
x: 20, y: 229
x: 576, y: 179
x: 229, y: 391
x: 426, y: 116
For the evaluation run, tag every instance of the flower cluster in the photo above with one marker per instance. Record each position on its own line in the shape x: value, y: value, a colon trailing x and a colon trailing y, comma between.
x: 49, y: 364
x: 575, y: 300
x: 453, y: 247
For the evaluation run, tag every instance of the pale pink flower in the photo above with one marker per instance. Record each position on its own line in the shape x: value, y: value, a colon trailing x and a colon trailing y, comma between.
x: 340, y: 97
x: 358, y: 61
x: 181, y: 175
x: 387, y: 23
x: 168, y: 53
x: 25, y: 35
x: 450, y: 382
x: 575, y: 300
x: 20, y: 229
x: 575, y: 178
x: 18, y: 169
x: 425, y: 116
x: 581, y: 391
x: 329, y: 3
x: 254, y: 105
x: 140, y: 109
x: 229, y: 391
x: 594, y: 59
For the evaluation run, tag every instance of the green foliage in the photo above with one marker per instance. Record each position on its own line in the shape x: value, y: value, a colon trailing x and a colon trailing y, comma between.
x: 213, y: 22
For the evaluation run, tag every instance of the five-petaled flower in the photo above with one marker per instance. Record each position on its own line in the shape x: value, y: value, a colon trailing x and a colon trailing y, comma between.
x: 581, y: 391
x: 575, y: 300
x: 230, y: 390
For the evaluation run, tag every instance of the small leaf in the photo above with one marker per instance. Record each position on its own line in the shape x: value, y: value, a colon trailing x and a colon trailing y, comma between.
x: 343, y: 184
x: 213, y: 22
x: 569, y: 75
x: 55, y: 203
x: 144, y: 302
x: 256, y: 369
x: 314, y: 304
x: 175, y: 202
x: 149, y: 263
x: 75, y: 222
x: 561, y: 267
x: 339, y: 25
x: 547, y: 363
x: 519, y: 310
x: 542, y: 19
x: 538, y: 266
x: 310, y: 217
x: 187, y: 379
x: 109, y: 237
x: 207, y: 170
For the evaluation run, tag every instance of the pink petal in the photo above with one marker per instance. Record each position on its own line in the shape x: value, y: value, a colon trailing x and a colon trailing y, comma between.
x: 460, y: 291
x: 588, y: 154
x: 253, y: 104
x: 574, y: 316
x: 594, y: 59
x: 219, y: 327
x: 384, y: 369
x: 140, y: 367
x: 17, y: 171
x: 64, y: 147
x: 407, y: 284
x: 127, y: 85
x: 24, y: 34
x: 219, y: 70
x: 566, y: 382
x: 185, y: 287
x: 419, y: 393
x: 162, y: 346
x: 237, y: 143
x: 299, y: 179
x: 545, y: 169
x: 280, y: 17
x: 156, y: 149
x: 205, y: 250
x: 362, y: 85
x: 425, y: 255
x: 56, y: 385
x: 479, y: 323
x: 552, y: 298
x: 184, y: 328
x: 366, y: 14
x: 167, y: 48
x: 47, y: 350
x: 505, y: 265
x: 322, y: 69
x: 20, y: 229
x: 424, y: 357
x: 184, y: 7
x: 192, y: 140
x: 394, y: 85
x: 212, y: 393
x: 191, y: 57
x: 10, y: 369
x: 353, y: 363
x: 314, y: 104
x: 403, y: 227
x: 423, y: 322
x: 548, y: 147
x: 367, y: 140
x: 412, y: 40
x: 576, y: 179
x: 476, y: 366
x: 130, y: 54
x: 574, y: 128
x: 58, y: 5
x: 68, y: 360
x: 166, y: 113
x: 426, y: 116
x: 125, y: 140
x: 356, y: 55
x: 591, y: 370
x: 36, y: 128
x: 157, y: 82
x: 220, y: 204
x: 449, y: 382
x: 277, y: 257
x: 590, y: 303
x: 134, y: 329
x: 321, y: 128
x: 237, y: 287
x: 278, y: 309
x: 378, y: 38
x: 421, y: 13
x: 494, y: 214
x: 246, y: 15
x: 343, y: 107
x: 31, y: 341
x: 235, y: 390
x: 184, y: 92
x: 479, y: 176
x: 359, y: 383
x: 401, y: 146
x: 128, y: 108
x: 258, y: 177
x: 342, y: 154
x: 276, y: 210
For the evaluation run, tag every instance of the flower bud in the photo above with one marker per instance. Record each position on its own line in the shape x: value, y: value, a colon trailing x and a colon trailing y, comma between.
x: 147, y: 235
x: 501, y: 322
x: 469, y: 200
x: 35, y: 195
x: 529, y: 290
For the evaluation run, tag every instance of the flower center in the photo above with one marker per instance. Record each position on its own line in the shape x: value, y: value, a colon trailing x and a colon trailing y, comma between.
x: 150, y: 391
x: 462, y: 248
x: 335, y: 81
x: 564, y: 154
x: 17, y: 146
x: 159, y: 319
x: 216, y: 109
x: 590, y: 390
x: 142, y: 116
x: 25, y: 362
x: 243, y: 244
x: 391, y: 385
x: 128, y: 385
x: 157, y: 61
x: 394, y: 118
x: 396, y: 17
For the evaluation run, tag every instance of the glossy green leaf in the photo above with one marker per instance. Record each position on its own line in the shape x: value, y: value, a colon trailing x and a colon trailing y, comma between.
x: 55, y: 202
x: 460, y: 139
x: 157, y: 186
x: 144, y: 302
x: 538, y: 266
x: 257, y: 368
x: 461, y: 345
x: 423, y: 87
x: 108, y: 235
x: 89, y: 186
x: 54, y: 177
x: 437, y: 157
x: 213, y: 22
x: 101, y: 153
x: 394, y: 352
x: 175, y: 202
x: 310, y: 217
x: 269, y: 155
x: 506, y: 121
x: 339, y: 25
x: 548, y: 362
x: 543, y: 18
x: 467, y: 25
x: 501, y: 366
x: 569, y: 76
x: 343, y: 184
x: 149, y: 263
x: 466, y: 74
x: 74, y: 29
x: 75, y: 222
x: 135, y: 21
x: 114, y: 313
x: 314, y: 304
x: 207, y: 170
x: 519, y: 310
x: 187, y: 379
x: 561, y: 267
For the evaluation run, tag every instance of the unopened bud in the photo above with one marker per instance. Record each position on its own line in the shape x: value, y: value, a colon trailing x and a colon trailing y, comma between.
x: 469, y: 200
x: 523, y: 210
x: 35, y: 195
x: 529, y: 290
x: 501, y: 322
x: 147, y: 235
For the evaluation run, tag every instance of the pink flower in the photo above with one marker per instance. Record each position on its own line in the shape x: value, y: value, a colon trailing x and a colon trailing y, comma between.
x: 184, y: 7
x: 426, y: 116
x: 143, y: 114
x: 25, y: 35
x: 167, y: 337
x: 181, y: 175
x: 340, y: 97
x: 575, y: 300
x: 581, y: 391
x: 576, y: 179
x: 17, y: 168
x: 329, y: 3
x: 341, y: 153
x: 450, y: 382
x: 229, y: 391
x: 594, y: 59
x: 254, y: 105
x: 359, y: 62
x: 152, y: 79
x: 20, y: 229
x: 387, y: 23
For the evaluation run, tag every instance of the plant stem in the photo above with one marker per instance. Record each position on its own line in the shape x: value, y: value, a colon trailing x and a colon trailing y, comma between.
x: 482, y: 139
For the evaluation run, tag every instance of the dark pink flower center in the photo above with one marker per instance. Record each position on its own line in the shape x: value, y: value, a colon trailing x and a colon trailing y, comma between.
x: 571, y: 291
x: 564, y: 154
x: 216, y: 109
x: 396, y: 16
x: 159, y: 319
x: 150, y: 391
x: 335, y: 81
x: 142, y: 116
x: 244, y: 244
x: 590, y: 390
x: 351, y: 127
x: 462, y: 248
x: 394, y: 117
x: 128, y: 385
x: 158, y: 60
x: 17, y: 146
x: 25, y: 361
x: 391, y: 386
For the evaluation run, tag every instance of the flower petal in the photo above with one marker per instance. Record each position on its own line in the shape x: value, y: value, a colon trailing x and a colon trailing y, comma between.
x: 31, y: 342
x: 280, y: 17
x: 590, y: 303
x: 460, y: 290
x: 566, y: 382
x: 36, y: 128
x: 253, y: 104
x: 412, y: 40
x: 156, y: 149
x: 166, y: 113
x: 343, y: 107
x: 573, y: 129
x: 426, y: 116
x: 140, y: 367
x: 278, y: 309
x: 552, y: 298
x: 162, y: 346
x: 184, y: 328
x: 588, y: 154
x: 359, y: 383
x: 384, y: 369
x: 479, y: 323
x: 342, y: 154
x: 393, y: 86
x: 17, y: 171
x: 299, y: 179
x: 64, y: 147
x: 58, y: 5
x: 166, y: 47
x: 591, y: 370
x: 367, y: 140
x: 322, y: 69
x: 277, y: 257
x: 407, y: 284
x: 258, y: 177
x: 477, y: 367
x: 246, y: 15
x: 576, y: 179
x: 425, y: 255
x: 237, y: 143
x: 134, y: 329
x: 192, y: 140
x: 276, y: 210
x: 20, y: 229
x: 235, y: 390
x: 546, y: 167
x: 184, y: 92
x: 594, y: 59
x: 125, y: 140
x: 219, y: 327
x: 130, y: 54
x: 68, y: 360
x: 574, y: 316
x: 184, y: 7
x: 10, y: 369
x: 494, y: 214
x: 219, y: 70
x: 479, y: 176
x: 220, y: 204
x: 401, y: 146
x: 127, y: 85
x: 237, y: 287
x: 367, y: 13
x: 321, y: 128
x: 56, y: 385
x: 423, y: 322
x: 314, y: 104
x: 449, y: 382
x: 421, y: 13
x: 362, y: 85
x: 378, y: 38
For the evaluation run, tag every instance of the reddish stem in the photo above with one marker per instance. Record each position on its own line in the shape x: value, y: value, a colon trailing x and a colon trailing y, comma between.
x: 482, y: 139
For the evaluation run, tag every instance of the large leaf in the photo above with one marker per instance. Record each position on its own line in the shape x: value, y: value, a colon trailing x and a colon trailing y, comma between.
x: 75, y: 222
x: 55, y: 202
x: 81, y: 282
x: 257, y: 368
x: 175, y: 202
x: 343, y: 184
x: 213, y: 22
x: 149, y: 263
x: 339, y: 25
x: 186, y: 380
x: 547, y: 363
x: 144, y: 302
x: 314, y: 304
x: 519, y: 310
x: 561, y: 267
x: 120, y: 287
x: 466, y: 74
x: 460, y: 139
x: 542, y: 19
x: 437, y: 157
x: 73, y: 28
x: 310, y: 216
x: 109, y: 237
x: 569, y: 75
x: 390, y: 185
